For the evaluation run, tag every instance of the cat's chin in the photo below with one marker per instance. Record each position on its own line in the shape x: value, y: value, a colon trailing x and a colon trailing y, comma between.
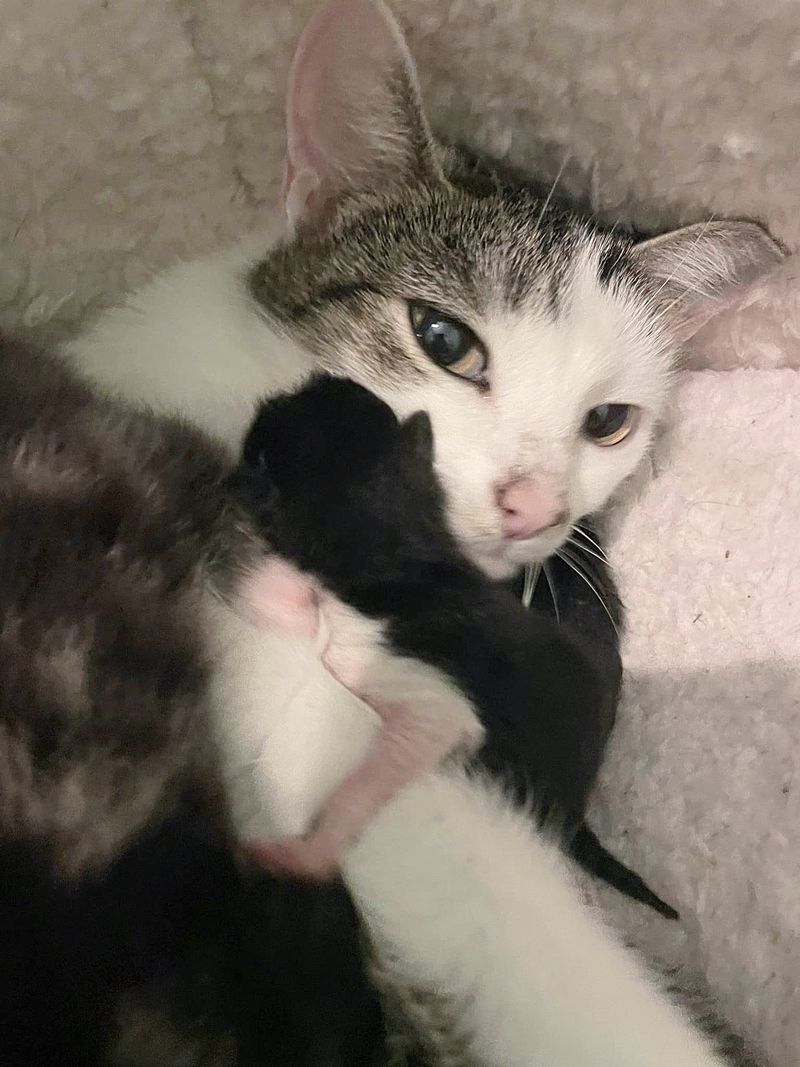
x: 507, y: 558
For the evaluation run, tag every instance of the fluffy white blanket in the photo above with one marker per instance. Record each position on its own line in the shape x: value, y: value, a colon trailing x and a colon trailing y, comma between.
x: 135, y: 131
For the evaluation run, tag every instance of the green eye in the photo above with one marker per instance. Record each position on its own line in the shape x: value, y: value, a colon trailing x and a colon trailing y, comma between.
x: 449, y: 343
x: 609, y: 424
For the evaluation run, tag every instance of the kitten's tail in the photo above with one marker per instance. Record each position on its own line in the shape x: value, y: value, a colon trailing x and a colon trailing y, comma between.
x: 594, y: 858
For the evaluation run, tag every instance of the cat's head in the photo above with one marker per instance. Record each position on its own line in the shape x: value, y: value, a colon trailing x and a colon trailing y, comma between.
x: 541, y: 347
x: 333, y: 457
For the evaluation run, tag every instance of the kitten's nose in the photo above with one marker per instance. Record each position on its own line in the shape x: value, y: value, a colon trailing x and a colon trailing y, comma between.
x: 529, y: 506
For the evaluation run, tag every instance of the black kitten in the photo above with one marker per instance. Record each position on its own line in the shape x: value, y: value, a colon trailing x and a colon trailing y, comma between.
x: 348, y: 495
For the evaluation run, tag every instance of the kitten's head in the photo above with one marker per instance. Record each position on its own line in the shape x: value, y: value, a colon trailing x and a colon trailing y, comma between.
x: 541, y: 347
x: 334, y: 457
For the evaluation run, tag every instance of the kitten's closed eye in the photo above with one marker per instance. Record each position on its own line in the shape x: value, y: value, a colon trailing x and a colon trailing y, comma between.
x: 610, y: 424
x: 449, y: 343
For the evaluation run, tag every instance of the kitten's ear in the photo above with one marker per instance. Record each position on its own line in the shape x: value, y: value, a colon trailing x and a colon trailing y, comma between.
x: 354, y: 115
x: 695, y: 269
x: 253, y: 488
x: 417, y: 436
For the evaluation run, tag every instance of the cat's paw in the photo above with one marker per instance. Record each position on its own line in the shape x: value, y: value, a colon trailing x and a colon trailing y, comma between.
x: 313, y: 857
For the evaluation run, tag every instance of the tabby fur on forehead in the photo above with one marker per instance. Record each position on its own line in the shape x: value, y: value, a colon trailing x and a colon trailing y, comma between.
x: 453, y: 247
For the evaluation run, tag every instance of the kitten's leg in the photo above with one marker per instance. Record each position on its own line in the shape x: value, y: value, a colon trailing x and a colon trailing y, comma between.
x: 424, y: 718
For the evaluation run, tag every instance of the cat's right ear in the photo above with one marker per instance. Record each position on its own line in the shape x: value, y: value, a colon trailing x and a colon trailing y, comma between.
x: 354, y: 114
x: 696, y: 269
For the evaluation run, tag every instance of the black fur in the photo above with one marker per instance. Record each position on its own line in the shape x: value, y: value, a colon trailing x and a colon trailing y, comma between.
x: 348, y: 494
x: 211, y: 956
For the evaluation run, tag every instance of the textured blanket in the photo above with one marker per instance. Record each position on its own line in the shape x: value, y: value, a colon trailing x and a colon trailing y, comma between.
x: 135, y: 131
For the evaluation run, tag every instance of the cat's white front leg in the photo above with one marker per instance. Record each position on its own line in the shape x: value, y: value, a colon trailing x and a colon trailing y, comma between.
x: 289, y: 727
x: 286, y: 731
x: 424, y: 718
x: 458, y: 888
x: 466, y: 899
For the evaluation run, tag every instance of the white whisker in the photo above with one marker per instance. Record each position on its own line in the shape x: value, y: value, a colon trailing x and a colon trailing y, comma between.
x: 552, y: 588
x: 532, y: 574
x: 549, y: 196
x: 577, y: 528
x: 581, y: 547
x: 575, y: 566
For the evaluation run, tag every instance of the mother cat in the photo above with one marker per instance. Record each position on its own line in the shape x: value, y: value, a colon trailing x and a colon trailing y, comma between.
x: 542, y: 350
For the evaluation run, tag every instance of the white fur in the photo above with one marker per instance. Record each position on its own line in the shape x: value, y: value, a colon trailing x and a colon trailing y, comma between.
x: 192, y: 341
x: 468, y: 899
x: 287, y: 731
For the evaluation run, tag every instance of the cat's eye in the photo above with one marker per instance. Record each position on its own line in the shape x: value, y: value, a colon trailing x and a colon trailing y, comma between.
x: 609, y: 424
x: 449, y: 343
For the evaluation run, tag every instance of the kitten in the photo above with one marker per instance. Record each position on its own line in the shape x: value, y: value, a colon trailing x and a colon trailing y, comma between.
x: 348, y: 497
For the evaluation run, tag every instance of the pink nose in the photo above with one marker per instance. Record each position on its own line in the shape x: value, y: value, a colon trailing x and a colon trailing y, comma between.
x: 529, y: 506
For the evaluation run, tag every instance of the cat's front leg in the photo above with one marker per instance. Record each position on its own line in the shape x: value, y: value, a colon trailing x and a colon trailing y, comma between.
x: 424, y: 718
x: 287, y: 733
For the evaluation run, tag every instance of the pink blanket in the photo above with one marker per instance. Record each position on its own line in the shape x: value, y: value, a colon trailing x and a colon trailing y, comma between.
x: 701, y: 791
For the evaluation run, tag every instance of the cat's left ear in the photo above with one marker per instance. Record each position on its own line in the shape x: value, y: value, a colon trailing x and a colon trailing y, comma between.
x: 417, y: 436
x: 354, y: 115
x: 694, y: 270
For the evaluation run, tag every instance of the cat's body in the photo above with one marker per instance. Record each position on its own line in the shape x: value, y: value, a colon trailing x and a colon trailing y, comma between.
x: 123, y: 904
x: 543, y: 375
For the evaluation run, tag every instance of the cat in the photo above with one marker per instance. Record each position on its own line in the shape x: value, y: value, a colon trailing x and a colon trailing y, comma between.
x: 347, y: 499
x: 541, y: 347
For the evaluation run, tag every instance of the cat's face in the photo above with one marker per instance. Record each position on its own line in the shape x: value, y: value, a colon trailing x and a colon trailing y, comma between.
x: 540, y: 348
x: 531, y: 350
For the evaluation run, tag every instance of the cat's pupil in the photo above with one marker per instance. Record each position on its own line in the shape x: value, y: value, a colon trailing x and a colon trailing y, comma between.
x: 606, y: 420
x: 444, y: 340
x: 449, y: 344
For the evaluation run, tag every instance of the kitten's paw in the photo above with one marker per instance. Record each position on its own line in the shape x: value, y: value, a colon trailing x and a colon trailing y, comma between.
x: 310, y: 857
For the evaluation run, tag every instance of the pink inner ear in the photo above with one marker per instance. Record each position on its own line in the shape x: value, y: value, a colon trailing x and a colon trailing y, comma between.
x: 344, y: 122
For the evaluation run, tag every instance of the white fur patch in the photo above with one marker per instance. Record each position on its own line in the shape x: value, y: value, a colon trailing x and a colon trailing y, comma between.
x: 468, y: 900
